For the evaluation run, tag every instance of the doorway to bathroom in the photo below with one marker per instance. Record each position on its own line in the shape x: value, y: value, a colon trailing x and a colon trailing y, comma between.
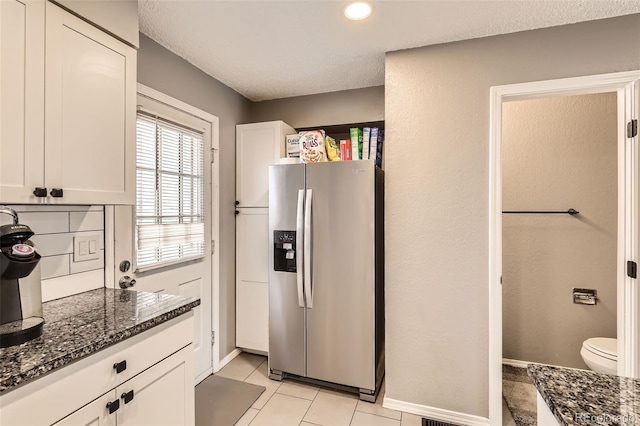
x: 588, y: 165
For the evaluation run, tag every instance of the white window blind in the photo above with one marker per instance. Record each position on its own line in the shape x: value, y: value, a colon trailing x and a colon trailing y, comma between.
x: 169, y: 183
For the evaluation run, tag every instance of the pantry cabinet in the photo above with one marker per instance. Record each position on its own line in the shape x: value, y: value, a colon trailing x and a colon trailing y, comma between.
x: 258, y: 145
x: 153, y: 384
x: 78, y: 88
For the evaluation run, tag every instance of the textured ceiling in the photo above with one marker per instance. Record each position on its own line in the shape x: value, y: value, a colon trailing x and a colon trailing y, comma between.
x: 275, y: 49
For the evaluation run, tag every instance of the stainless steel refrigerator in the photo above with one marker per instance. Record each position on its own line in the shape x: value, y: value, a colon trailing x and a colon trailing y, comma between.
x: 326, y: 274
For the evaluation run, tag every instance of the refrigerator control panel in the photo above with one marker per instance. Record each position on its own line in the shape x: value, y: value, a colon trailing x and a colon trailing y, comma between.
x: 284, y: 251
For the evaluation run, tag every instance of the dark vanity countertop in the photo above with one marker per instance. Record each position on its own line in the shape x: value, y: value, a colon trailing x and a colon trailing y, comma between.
x: 79, y: 325
x: 583, y: 397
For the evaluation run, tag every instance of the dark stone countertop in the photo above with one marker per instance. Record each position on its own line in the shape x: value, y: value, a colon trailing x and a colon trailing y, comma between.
x: 583, y: 397
x: 82, y: 324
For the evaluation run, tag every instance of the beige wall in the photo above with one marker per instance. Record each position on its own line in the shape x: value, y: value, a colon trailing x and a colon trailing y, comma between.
x: 436, y: 174
x: 558, y: 153
x: 344, y: 107
x: 160, y: 69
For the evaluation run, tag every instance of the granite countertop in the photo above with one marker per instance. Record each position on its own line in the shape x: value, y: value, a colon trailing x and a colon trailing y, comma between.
x: 79, y: 325
x: 582, y: 397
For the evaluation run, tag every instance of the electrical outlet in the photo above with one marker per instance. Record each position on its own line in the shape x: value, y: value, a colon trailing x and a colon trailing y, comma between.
x: 85, y: 247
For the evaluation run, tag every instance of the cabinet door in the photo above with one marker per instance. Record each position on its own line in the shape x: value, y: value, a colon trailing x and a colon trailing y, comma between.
x: 21, y: 99
x: 161, y: 395
x: 252, y: 278
x: 95, y: 413
x: 90, y: 112
x: 258, y: 146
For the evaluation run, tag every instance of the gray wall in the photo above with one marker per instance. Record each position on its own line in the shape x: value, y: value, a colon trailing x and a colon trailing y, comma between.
x: 437, y: 174
x: 119, y: 17
x: 558, y: 153
x: 344, y: 107
x: 160, y: 69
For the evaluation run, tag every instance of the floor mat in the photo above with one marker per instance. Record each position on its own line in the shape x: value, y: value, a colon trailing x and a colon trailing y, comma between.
x: 519, y: 393
x: 221, y: 401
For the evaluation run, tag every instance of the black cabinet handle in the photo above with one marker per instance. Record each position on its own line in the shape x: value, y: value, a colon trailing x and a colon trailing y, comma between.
x: 127, y: 396
x: 237, y: 212
x: 120, y: 366
x: 113, y: 406
x: 237, y: 203
x: 40, y: 192
x: 56, y: 192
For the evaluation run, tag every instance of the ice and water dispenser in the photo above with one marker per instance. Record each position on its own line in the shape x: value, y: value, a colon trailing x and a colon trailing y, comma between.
x: 284, y: 252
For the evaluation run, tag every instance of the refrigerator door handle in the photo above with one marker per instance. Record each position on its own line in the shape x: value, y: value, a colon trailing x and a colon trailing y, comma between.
x: 299, y: 243
x: 308, y: 284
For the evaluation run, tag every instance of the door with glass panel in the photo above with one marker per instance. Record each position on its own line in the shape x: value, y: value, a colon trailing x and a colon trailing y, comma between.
x: 163, y: 244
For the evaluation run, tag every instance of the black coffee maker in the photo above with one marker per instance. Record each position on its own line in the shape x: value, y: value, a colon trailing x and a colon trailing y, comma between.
x: 20, y: 284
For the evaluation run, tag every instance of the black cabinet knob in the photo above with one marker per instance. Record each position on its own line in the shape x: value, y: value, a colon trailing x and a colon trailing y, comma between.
x: 113, y: 406
x: 120, y: 366
x: 40, y: 192
x: 237, y: 212
x: 56, y: 192
x: 127, y: 396
x: 237, y: 203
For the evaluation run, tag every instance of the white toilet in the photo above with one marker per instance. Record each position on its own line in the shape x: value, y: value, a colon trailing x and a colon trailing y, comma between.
x: 601, y: 354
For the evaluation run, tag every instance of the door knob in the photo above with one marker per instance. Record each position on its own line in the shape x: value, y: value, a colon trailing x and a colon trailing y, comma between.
x: 126, y: 282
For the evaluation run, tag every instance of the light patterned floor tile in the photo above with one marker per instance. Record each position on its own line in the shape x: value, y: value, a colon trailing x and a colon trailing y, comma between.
x: 282, y: 410
x: 248, y: 416
x: 260, y: 377
x: 308, y: 424
x: 300, y: 390
x: 331, y: 409
x: 365, y: 419
x: 241, y: 366
x: 410, y: 420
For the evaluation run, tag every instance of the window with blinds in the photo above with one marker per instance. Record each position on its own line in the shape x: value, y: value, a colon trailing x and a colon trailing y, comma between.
x: 169, y: 183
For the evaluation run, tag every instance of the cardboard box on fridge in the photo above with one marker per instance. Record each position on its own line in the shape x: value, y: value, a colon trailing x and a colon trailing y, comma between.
x: 292, y: 142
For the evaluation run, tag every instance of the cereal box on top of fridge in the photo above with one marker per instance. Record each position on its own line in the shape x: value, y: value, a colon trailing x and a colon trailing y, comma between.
x: 312, y: 148
x: 292, y: 142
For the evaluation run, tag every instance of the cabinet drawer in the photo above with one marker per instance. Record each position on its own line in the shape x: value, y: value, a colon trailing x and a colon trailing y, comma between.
x: 71, y: 387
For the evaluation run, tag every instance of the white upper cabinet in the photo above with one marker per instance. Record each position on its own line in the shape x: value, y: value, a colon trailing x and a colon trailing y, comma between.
x: 89, y: 112
x: 68, y: 92
x: 21, y: 99
x: 258, y: 146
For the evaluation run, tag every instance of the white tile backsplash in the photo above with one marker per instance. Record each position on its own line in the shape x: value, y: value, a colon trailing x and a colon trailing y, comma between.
x: 55, y: 227
x: 45, y: 222
x: 86, y: 221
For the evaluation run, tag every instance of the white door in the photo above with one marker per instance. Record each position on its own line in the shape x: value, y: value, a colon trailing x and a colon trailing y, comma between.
x: 189, y: 277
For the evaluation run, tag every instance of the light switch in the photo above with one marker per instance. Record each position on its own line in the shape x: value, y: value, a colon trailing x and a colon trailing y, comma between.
x: 85, y: 247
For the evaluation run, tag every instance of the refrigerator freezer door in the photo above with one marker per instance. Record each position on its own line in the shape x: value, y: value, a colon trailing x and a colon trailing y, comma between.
x: 340, y: 326
x: 286, y: 317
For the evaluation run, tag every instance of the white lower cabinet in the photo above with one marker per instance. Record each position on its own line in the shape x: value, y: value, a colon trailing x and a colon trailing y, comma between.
x: 252, y: 279
x: 152, y: 386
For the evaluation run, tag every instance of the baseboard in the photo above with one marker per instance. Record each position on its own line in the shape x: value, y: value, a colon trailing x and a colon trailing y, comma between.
x: 227, y: 359
x: 435, y: 413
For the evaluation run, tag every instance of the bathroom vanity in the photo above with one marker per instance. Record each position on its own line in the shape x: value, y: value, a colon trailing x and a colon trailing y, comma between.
x: 569, y: 396
x: 113, y: 357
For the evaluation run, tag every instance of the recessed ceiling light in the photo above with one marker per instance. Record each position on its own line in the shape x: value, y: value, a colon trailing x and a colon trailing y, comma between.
x: 357, y: 10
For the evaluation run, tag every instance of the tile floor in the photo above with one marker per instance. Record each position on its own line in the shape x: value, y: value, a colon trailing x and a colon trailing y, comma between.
x: 291, y: 403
